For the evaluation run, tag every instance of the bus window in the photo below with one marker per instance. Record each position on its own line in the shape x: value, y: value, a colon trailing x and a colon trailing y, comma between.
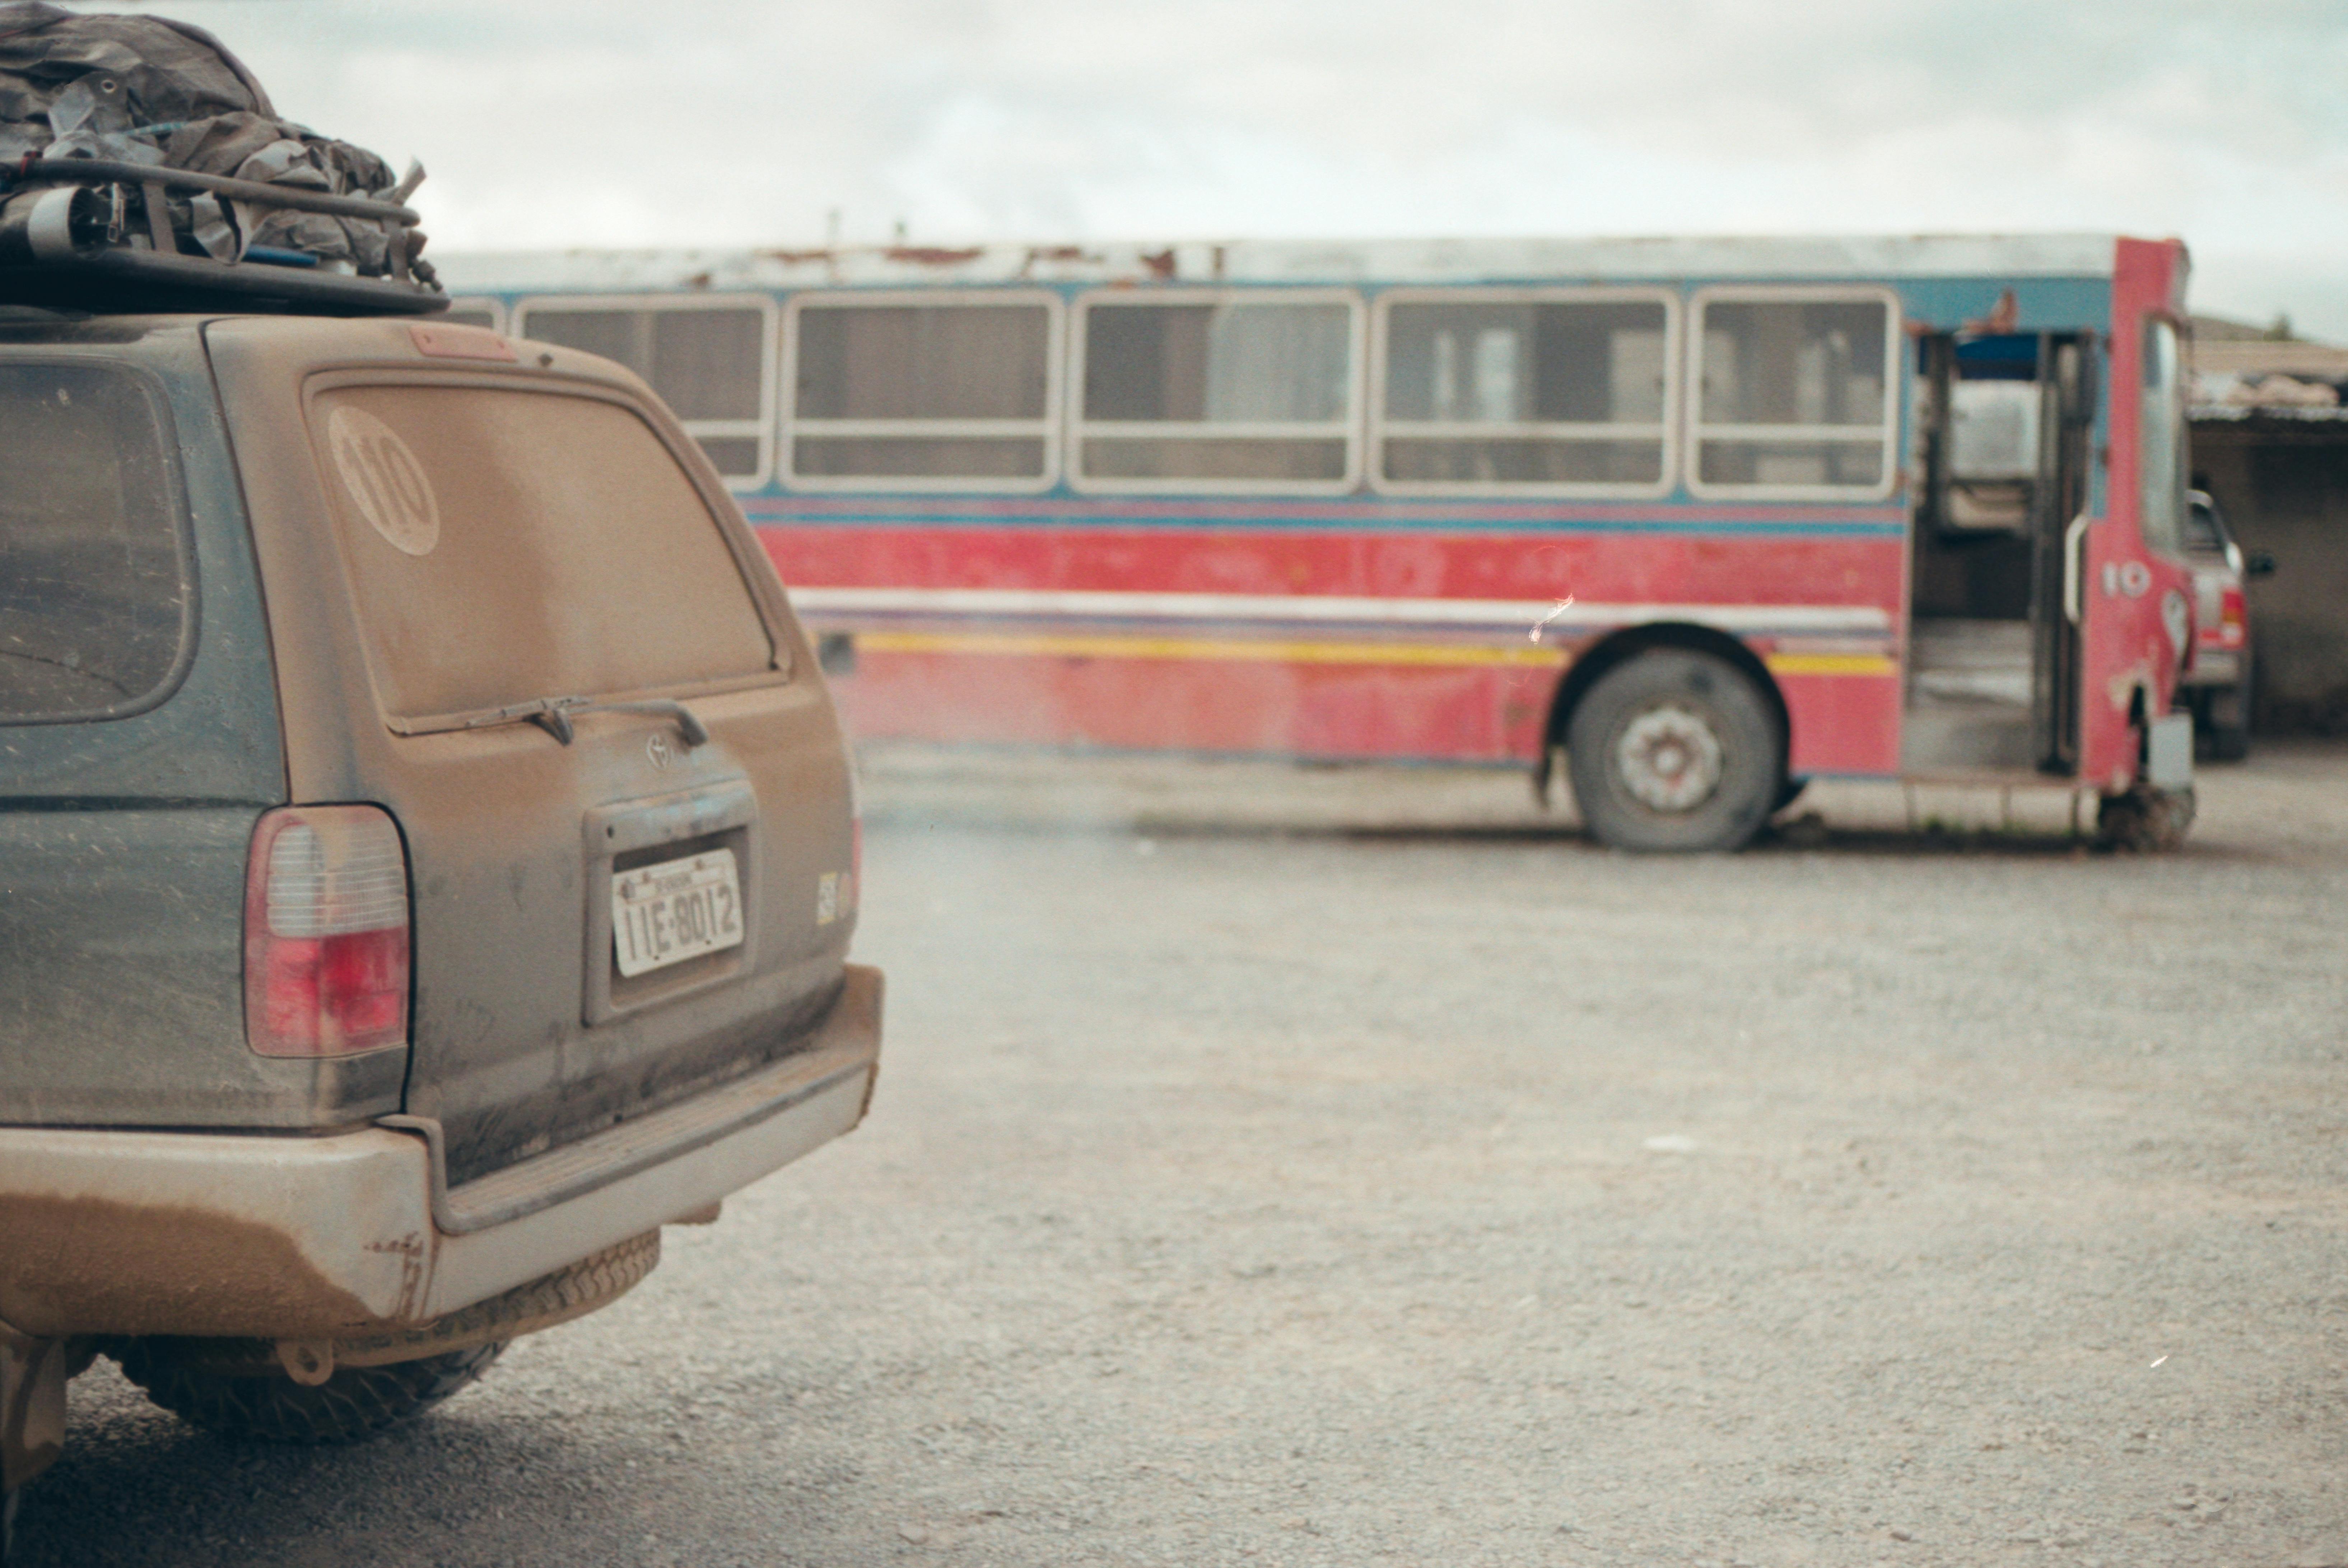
x: 1560, y: 394
x: 706, y: 360
x: 936, y: 393
x: 476, y: 312
x: 1228, y: 392
x: 1795, y: 395
x: 2160, y: 440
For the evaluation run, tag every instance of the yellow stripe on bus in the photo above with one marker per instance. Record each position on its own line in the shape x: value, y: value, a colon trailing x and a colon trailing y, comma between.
x: 1830, y: 665
x: 1033, y: 645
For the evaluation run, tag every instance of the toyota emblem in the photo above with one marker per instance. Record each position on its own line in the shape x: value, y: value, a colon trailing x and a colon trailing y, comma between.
x: 657, y: 750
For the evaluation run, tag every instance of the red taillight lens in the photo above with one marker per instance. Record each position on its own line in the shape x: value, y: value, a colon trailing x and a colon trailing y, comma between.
x: 2233, y: 618
x: 325, y: 933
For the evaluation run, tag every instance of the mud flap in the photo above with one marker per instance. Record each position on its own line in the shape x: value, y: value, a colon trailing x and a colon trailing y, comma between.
x: 2168, y: 752
x: 33, y: 1374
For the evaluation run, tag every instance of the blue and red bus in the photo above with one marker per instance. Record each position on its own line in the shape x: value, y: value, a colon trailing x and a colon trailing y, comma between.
x: 1691, y: 519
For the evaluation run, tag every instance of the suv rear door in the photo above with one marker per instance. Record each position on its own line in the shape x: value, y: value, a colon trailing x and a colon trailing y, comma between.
x: 448, y: 548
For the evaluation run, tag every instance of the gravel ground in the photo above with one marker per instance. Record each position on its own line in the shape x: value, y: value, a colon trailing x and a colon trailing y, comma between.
x: 1322, y: 1168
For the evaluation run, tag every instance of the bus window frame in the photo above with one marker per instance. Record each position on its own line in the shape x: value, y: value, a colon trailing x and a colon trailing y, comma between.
x: 760, y: 430
x: 1895, y: 394
x: 2181, y: 396
x: 1667, y: 431
x: 1046, y: 427
x: 487, y: 304
x: 1350, y: 426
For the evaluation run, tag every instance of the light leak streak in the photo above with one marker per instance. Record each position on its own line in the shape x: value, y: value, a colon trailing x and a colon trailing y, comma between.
x: 1561, y: 607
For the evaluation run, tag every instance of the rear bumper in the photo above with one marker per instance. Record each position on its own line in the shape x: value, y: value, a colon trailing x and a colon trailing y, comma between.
x: 2213, y: 667
x: 280, y: 1237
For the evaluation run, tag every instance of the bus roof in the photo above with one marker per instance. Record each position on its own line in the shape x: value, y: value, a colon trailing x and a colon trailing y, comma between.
x: 1823, y: 257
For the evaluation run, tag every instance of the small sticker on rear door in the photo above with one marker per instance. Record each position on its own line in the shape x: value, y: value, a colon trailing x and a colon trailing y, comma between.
x: 835, y: 896
x: 384, y: 481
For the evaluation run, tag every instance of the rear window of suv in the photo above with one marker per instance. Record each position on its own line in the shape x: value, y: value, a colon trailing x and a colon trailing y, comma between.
x: 95, y: 589
x: 506, y: 546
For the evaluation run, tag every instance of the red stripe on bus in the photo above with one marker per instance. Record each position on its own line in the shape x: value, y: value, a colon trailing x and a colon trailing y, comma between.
x: 1401, y: 564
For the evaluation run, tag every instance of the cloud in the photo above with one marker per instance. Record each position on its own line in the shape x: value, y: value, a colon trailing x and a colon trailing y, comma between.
x: 698, y: 122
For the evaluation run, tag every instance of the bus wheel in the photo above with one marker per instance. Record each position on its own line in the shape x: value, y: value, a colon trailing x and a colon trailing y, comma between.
x: 2146, y: 819
x: 1674, y: 749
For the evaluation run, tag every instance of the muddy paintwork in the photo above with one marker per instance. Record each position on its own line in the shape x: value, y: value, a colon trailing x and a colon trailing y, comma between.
x: 198, y: 1271
x: 148, y: 1185
x: 502, y: 1056
x: 357, y: 1235
x: 122, y: 841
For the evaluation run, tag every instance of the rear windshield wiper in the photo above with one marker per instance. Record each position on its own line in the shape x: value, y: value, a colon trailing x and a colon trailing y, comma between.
x: 554, y: 714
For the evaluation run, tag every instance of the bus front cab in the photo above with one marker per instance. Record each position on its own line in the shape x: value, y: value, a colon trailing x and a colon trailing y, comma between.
x: 2128, y: 585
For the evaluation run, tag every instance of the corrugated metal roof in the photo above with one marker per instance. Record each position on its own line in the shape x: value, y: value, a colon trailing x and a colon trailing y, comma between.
x: 1289, y: 262
x: 2237, y: 414
x: 2267, y: 356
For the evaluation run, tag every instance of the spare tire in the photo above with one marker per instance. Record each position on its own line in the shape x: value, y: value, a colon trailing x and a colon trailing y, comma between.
x: 354, y: 1402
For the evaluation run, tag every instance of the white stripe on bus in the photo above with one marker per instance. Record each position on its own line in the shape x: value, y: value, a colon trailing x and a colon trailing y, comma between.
x: 1324, y: 609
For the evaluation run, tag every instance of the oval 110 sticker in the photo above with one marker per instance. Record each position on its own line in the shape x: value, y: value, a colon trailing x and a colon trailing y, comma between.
x: 385, y: 479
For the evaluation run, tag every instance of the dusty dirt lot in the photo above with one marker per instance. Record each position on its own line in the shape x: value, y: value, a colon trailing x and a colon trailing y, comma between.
x: 1301, y: 1167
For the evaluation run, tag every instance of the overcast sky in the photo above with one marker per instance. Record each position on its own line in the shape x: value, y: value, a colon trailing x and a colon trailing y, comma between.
x: 594, y: 122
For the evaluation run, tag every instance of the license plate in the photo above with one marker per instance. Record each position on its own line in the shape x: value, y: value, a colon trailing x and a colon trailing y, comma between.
x: 677, y: 910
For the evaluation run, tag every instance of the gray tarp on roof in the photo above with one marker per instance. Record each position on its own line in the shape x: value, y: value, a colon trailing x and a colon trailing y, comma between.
x: 144, y: 89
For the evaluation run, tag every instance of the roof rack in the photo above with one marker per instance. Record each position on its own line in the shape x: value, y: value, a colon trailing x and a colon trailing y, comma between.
x: 96, y: 234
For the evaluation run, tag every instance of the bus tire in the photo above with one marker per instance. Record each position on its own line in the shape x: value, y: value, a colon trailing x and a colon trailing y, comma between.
x: 1675, y: 750
x: 2146, y: 820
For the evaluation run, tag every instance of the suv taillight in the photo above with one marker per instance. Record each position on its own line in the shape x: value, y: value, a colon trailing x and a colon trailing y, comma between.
x: 325, y: 933
x: 2233, y: 618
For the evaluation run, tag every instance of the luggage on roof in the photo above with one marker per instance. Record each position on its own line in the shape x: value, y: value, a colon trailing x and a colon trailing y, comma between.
x: 142, y: 166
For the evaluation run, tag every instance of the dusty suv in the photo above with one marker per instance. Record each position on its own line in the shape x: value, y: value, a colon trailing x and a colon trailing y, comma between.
x: 427, y: 861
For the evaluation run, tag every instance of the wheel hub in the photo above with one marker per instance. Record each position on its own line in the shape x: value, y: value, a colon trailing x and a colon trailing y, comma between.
x: 1669, y: 759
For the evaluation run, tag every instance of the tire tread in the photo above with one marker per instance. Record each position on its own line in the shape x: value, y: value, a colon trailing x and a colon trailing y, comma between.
x: 1754, y: 782
x: 356, y: 1402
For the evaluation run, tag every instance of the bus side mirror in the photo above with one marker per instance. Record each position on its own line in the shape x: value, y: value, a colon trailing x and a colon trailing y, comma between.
x: 2259, y: 564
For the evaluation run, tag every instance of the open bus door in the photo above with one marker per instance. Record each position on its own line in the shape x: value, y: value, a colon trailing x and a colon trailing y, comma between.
x: 1994, y: 645
x: 2069, y: 390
